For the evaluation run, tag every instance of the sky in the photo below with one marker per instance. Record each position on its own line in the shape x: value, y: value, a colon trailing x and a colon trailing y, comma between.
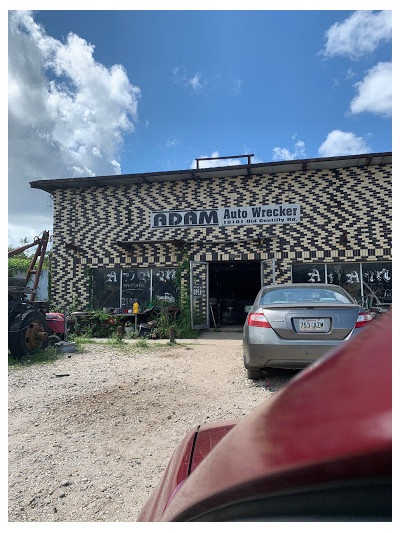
x: 117, y: 92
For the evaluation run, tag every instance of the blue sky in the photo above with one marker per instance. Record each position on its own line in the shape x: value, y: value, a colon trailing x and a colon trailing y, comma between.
x: 98, y: 93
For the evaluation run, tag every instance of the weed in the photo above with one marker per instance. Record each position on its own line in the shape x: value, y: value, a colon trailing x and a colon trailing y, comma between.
x: 180, y: 321
x: 161, y: 345
x: 132, y: 335
x: 115, y: 341
x: 167, y: 344
x: 142, y: 343
x: 81, y: 340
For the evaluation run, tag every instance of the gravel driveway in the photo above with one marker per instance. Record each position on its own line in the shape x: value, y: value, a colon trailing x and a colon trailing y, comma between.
x: 91, y: 434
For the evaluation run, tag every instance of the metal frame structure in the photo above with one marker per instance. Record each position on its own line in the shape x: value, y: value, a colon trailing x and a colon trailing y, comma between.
x: 249, y: 156
x: 41, y: 243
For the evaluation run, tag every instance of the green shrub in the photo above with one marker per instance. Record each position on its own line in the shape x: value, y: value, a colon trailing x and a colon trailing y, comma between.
x: 97, y: 325
x: 181, y: 321
x: 18, y: 264
x: 22, y: 261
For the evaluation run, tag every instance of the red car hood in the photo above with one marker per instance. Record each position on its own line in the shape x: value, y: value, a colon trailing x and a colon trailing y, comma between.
x: 332, y: 421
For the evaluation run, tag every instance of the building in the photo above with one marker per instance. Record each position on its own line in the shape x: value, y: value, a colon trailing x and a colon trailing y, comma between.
x: 126, y: 238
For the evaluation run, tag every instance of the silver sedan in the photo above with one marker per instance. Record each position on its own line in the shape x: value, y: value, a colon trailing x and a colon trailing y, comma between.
x: 291, y: 325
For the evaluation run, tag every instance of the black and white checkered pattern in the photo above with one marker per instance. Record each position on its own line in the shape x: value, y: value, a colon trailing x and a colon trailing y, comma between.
x: 356, y: 200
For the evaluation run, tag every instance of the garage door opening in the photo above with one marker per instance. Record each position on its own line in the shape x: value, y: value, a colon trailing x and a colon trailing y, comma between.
x: 232, y: 286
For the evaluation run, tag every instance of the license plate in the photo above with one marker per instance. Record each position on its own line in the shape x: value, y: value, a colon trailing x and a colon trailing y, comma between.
x: 311, y: 324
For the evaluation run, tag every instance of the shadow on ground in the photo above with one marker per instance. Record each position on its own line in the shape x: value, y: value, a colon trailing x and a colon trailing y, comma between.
x: 222, y: 334
x: 275, y: 378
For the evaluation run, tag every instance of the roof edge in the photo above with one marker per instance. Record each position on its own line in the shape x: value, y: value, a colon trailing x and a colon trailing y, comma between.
x: 176, y: 175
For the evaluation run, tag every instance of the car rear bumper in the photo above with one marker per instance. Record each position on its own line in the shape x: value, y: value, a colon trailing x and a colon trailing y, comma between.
x: 288, y: 354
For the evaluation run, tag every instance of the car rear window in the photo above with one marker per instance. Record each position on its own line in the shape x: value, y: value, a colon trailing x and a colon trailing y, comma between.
x: 303, y: 294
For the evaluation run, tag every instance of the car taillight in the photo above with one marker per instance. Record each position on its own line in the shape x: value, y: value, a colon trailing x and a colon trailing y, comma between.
x: 258, y: 320
x: 363, y: 319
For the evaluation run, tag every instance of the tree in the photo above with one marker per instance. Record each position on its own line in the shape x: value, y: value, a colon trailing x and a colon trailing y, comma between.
x: 21, y: 262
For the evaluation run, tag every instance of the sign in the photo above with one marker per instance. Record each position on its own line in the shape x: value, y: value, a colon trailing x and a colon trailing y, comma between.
x: 227, y: 216
x: 197, y: 290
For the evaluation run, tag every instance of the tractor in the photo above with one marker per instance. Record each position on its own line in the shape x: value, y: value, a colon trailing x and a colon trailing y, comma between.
x: 27, y: 326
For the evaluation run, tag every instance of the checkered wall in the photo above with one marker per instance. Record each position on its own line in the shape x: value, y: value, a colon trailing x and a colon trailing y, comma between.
x: 88, y: 222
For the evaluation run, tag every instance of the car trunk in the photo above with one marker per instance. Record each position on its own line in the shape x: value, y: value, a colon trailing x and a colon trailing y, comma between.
x: 311, y: 321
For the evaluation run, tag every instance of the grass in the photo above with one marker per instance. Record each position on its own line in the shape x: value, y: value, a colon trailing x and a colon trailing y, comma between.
x: 83, y: 340
x: 117, y: 342
x: 142, y: 343
x: 46, y: 355
x: 49, y: 355
x: 114, y: 341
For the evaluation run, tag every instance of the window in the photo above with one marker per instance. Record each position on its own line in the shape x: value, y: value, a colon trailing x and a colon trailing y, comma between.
x: 106, y: 288
x: 302, y: 294
x: 361, y: 280
x: 347, y: 275
x: 377, y: 280
x: 136, y: 287
x: 308, y: 273
x: 121, y: 288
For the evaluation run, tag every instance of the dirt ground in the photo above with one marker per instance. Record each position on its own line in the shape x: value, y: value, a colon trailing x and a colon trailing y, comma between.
x: 91, y: 434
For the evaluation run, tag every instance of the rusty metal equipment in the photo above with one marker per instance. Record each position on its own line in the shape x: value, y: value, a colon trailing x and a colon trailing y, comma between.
x: 27, y: 327
x: 41, y: 243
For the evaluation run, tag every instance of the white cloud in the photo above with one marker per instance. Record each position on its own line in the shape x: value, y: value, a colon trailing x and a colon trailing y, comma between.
x: 176, y: 72
x: 17, y: 232
x: 67, y: 115
x: 218, y: 162
x: 237, y: 86
x: 374, y: 91
x: 195, y: 82
x: 359, y: 34
x: 284, y: 154
x: 172, y: 142
x: 340, y: 142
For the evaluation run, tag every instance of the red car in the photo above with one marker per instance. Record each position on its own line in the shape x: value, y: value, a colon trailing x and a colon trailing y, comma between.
x: 318, y: 450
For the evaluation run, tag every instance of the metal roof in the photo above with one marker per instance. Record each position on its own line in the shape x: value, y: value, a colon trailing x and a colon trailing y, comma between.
x: 295, y: 165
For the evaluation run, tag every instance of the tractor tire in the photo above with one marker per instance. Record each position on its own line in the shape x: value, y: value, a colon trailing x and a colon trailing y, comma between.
x: 27, y: 333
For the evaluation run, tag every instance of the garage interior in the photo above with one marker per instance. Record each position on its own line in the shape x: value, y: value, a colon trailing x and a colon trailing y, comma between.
x: 232, y: 286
